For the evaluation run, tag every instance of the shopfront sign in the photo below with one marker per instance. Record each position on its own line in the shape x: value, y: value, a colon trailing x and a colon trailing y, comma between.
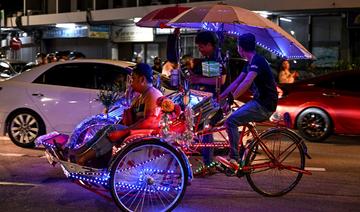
x: 66, y: 33
x: 167, y: 31
x: 132, y: 34
x: 99, y: 32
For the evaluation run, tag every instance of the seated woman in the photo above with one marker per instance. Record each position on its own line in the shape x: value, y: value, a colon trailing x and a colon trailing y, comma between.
x: 187, y: 62
x: 167, y: 70
x: 285, y: 75
x: 142, y: 114
x: 168, y: 67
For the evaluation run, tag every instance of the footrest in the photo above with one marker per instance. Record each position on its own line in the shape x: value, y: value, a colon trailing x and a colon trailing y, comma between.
x: 50, y: 139
x: 50, y: 158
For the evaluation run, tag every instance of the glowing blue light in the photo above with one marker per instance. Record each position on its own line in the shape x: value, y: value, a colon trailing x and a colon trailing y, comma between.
x: 141, y: 164
x: 98, y: 180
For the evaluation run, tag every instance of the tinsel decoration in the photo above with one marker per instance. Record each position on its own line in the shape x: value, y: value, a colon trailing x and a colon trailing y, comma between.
x: 109, y: 94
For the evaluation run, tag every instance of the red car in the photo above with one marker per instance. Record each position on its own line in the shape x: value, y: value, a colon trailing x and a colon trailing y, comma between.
x: 324, y: 105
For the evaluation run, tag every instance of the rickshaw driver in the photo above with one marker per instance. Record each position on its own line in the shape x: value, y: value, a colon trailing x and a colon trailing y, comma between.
x: 142, y: 114
x: 257, y: 77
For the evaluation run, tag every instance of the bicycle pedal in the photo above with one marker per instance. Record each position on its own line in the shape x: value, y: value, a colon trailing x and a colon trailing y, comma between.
x: 221, y: 168
x: 227, y: 163
x: 230, y: 172
x: 240, y: 174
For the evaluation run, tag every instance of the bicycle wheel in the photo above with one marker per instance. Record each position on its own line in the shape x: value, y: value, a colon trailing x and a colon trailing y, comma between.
x: 148, y: 176
x: 275, y: 178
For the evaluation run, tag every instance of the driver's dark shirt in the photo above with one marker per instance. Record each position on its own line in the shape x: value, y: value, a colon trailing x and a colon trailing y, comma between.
x: 264, y: 86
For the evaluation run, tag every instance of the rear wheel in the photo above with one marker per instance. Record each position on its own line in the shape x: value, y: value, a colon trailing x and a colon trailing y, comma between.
x: 24, y: 127
x: 314, y: 124
x: 148, y: 176
x: 278, y: 177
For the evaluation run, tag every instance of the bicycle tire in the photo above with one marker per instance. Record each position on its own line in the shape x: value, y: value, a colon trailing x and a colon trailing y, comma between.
x: 275, y: 181
x: 148, y: 176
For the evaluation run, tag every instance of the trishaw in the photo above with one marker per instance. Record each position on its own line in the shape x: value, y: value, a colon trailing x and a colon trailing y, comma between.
x: 149, y: 170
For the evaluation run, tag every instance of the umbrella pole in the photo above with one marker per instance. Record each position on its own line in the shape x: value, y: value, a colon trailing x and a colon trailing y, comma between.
x: 220, y: 59
x: 183, y: 77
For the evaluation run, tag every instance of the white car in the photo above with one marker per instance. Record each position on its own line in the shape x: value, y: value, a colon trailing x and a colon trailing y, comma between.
x: 55, y: 96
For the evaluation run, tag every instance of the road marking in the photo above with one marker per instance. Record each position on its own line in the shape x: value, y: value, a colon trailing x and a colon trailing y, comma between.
x: 18, y: 184
x: 12, y: 154
x: 20, y: 155
x: 317, y: 169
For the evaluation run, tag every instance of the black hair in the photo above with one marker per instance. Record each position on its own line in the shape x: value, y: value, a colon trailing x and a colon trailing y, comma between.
x: 185, y: 59
x: 247, y: 42
x: 143, y: 69
x: 157, y: 59
x: 206, y: 37
x: 40, y: 54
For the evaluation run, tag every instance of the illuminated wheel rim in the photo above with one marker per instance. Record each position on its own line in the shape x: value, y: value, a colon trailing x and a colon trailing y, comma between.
x: 149, y: 177
x: 24, y: 128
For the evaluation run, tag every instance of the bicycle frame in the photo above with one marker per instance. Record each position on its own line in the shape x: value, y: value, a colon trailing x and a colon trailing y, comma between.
x: 244, y: 146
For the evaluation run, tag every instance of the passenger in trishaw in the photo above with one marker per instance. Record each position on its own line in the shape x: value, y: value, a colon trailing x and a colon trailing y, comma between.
x: 257, y: 77
x: 142, y: 114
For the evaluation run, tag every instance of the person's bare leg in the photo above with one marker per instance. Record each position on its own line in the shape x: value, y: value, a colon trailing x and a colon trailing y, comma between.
x: 86, y: 156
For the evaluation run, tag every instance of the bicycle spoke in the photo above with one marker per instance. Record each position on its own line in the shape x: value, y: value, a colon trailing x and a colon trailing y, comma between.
x: 287, y: 155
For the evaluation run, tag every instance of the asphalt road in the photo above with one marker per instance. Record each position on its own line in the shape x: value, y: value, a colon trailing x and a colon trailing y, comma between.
x: 29, y: 183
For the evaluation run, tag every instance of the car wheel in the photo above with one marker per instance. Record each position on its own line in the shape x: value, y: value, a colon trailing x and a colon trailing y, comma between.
x: 314, y: 124
x: 24, y: 127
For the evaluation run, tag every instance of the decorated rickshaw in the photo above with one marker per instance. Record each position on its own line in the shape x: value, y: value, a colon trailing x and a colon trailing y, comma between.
x: 149, y: 170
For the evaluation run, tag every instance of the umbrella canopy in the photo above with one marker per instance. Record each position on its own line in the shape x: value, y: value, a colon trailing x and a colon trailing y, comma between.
x: 160, y: 17
x: 236, y: 21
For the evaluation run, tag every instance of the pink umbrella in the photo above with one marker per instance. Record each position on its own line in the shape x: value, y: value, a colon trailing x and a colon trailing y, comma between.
x: 236, y: 21
x: 160, y: 17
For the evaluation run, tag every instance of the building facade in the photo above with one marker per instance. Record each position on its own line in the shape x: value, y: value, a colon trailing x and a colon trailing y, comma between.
x: 105, y: 29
